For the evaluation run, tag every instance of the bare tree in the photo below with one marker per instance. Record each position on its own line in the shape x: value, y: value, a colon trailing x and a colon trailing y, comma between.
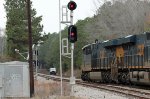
x: 120, y: 18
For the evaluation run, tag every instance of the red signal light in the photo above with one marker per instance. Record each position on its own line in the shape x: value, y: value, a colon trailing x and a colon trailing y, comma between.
x: 72, y: 33
x: 72, y: 5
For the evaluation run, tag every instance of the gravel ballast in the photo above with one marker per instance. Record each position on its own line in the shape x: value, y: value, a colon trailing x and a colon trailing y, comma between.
x: 49, y: 89
x: 93, y: 93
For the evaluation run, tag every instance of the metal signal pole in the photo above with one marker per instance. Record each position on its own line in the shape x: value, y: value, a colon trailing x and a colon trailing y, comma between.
x: 30, y: 48
x: 72, y: 79
x: 60, y: 46
x: 72, y: 30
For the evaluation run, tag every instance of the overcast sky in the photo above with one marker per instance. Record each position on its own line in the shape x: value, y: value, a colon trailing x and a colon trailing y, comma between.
x: 50, y: 12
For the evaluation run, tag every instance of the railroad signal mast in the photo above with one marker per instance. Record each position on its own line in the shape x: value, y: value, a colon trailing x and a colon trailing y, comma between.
x: 72, y: 37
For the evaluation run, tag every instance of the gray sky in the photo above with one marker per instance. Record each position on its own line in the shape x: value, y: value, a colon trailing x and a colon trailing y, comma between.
x: 49, y: 10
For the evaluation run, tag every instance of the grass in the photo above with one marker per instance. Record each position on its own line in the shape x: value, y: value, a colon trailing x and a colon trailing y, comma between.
x: 48, y: 89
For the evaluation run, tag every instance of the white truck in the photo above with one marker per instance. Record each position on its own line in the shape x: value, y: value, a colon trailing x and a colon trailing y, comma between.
x: 52, y: 71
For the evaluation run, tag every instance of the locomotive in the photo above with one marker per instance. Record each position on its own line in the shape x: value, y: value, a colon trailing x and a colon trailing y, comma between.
x: 121, y: 60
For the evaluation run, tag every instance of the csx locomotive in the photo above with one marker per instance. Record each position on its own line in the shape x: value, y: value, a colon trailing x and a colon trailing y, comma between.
x: 122, y: 60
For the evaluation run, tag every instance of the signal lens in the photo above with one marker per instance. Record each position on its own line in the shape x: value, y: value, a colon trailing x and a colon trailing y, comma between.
x: 72, y: 5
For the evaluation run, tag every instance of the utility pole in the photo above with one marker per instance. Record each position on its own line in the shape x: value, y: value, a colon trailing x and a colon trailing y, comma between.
x: 30, y: 48
x: 36, y: 65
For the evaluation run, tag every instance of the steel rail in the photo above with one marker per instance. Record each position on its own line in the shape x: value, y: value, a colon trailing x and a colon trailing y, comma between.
x: 132, y: 92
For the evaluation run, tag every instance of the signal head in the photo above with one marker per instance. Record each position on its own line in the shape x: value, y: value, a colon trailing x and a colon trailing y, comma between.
x: 72, y: 5
x: 72, y: 33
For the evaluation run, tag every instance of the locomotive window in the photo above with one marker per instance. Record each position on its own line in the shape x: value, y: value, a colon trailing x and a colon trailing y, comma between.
x: 87, y: 51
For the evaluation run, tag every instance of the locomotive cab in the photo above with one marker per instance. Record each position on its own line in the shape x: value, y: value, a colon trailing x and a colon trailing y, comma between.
x: 86, y: 68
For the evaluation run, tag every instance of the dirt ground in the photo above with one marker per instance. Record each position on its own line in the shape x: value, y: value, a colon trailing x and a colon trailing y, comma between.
x: 48, y: 89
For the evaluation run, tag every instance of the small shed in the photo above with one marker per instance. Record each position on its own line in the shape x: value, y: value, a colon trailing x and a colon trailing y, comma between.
x: 14, y: 79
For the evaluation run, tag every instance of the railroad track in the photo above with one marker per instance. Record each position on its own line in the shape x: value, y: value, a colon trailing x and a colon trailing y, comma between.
x: 137, y: 93
x: 56, y: 78
x: 132, y: 92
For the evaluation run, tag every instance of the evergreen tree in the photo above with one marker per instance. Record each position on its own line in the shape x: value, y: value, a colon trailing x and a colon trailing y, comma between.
x: 16, y: 26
